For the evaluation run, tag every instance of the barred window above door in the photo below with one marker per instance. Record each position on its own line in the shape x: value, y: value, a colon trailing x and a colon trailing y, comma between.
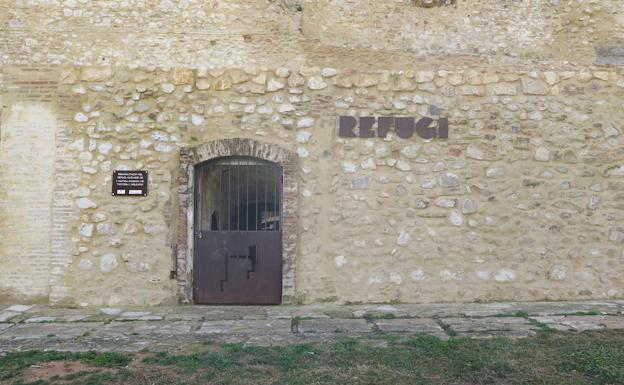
x: 238, y: 194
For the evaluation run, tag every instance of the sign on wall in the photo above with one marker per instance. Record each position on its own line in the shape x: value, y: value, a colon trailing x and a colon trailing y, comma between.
x: 404, y: 127
x: 129, y: 183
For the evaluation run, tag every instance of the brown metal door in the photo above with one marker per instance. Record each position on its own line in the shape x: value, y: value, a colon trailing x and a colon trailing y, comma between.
x: 238, y: 237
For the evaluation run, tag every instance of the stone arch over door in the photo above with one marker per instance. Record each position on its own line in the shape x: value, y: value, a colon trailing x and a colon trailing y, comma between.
x: 192, y: 156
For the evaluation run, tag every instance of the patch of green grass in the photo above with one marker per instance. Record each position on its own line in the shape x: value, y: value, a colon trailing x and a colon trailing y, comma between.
x: 195, y: 361
x: 604, y: 360
x: 392, y: 339
x: 583, y: 313
x: 549, y: 358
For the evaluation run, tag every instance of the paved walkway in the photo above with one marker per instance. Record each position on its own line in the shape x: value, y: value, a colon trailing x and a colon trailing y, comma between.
x: 25, y: 327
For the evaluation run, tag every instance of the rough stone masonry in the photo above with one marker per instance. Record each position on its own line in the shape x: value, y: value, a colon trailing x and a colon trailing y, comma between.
x: 523, y: 201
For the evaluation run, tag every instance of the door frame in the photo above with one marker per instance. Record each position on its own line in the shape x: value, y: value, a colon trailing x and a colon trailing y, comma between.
x: 182, y: 260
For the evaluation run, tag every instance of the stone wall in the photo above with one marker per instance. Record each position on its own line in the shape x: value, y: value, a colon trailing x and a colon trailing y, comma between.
x: 382, y: 34
x: 519, y: 203
x: 230, y: 33
x: 495, y: 31
x: 522, y: 201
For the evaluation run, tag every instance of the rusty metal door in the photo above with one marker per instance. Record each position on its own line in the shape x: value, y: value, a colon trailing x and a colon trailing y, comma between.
x: 237, y: 232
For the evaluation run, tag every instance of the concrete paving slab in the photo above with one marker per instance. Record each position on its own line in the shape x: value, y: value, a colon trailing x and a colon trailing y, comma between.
x: 7, y: 316
x: 74, y: 345
x: 329, y: 326
x: 582, y: 323
x: 40, y: 319
x: 379, y: 311
x: 340, y: 313
x: 508, y: 326
x: 576, y: 323
x: 435, y: 310
x: 49, y: 330
x: 499, y: 333
x: 449, y: 310
x: 246, y: 327
x: 63, y: 315
x: 275, y: 340
x: 18, y: 308
x: 232, y: 313
x: 74, y: 318
x: 317, y: 311
x: 140, y: 316
x: 613, y: 322
x: 167, y: 328
x: 254, y: 316
x: 134, y: 314
x: 111, y: 311
x: 66, y: 315
x: 312, y: 315
x: 488, y: 323
x: 413, y: 325
x: 280, y: 313
x: 220, y: 314
x: 491, y: 309
x: 141, y: 328
x: 185, y: 314
x: 571, y: 308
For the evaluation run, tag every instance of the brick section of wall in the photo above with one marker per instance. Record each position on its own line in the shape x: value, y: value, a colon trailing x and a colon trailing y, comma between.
x: 27, y: 154
x: 66, y: 180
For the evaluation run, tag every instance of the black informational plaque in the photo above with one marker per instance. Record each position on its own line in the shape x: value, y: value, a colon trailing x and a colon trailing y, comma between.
x: 129, y: 183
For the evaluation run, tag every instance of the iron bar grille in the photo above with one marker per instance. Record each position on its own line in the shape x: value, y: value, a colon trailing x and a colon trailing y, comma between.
x: 238, y: 194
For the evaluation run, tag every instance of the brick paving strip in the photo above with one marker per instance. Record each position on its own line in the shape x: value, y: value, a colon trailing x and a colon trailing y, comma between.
x: 24, y: 327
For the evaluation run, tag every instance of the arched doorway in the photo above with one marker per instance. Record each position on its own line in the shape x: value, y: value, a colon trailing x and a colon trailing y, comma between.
x: 224, y: 152
x: 237, y: 233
